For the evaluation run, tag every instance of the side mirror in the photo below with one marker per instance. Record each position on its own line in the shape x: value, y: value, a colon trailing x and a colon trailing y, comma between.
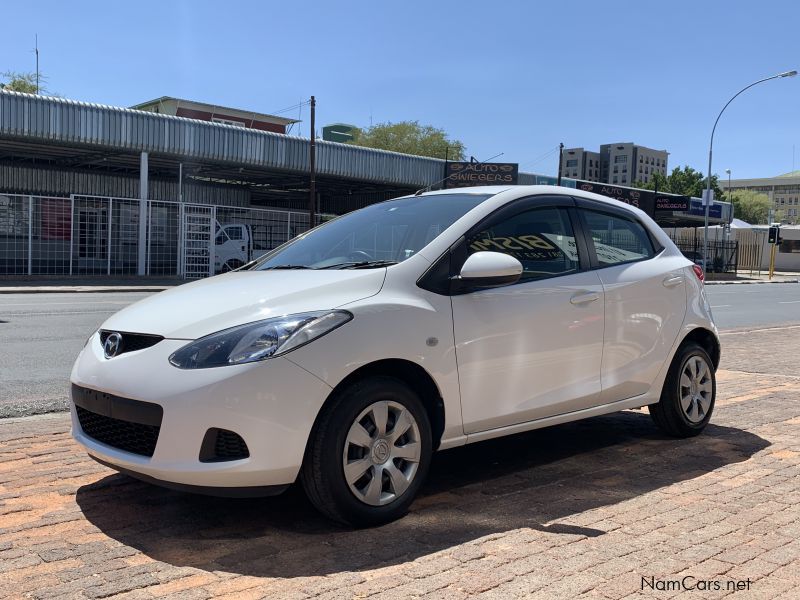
x: 490, y: 269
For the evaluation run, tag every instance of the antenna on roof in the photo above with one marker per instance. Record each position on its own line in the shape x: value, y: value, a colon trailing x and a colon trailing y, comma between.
x: 36, y: 49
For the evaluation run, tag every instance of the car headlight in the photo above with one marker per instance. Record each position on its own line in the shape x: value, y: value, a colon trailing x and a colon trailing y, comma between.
x: 258, y: 341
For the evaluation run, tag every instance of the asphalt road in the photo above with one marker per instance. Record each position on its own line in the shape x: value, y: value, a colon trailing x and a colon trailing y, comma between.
x: 41, y: 334
x: 754, y: 305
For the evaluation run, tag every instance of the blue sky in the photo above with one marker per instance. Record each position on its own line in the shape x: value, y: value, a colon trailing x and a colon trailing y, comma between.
x: 511, y: 77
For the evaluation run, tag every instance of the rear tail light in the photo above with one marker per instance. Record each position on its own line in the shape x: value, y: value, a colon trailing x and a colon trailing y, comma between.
x: 698, y: 270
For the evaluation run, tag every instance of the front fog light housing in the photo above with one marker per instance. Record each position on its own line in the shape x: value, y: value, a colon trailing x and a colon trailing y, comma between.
x: 258, y: 341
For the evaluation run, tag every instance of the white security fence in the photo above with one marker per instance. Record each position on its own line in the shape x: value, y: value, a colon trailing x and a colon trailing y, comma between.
x: 89, y: 235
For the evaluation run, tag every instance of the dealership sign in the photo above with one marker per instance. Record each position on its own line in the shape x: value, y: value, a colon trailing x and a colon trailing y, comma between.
x: 672, y: 203
x: 642, y: 199
x: 466, y: 174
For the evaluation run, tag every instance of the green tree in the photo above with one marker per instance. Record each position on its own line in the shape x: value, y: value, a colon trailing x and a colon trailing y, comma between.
x: 22, y: 82
x: 409, y: 137
x: 750, y: 206
x: 685, y: 181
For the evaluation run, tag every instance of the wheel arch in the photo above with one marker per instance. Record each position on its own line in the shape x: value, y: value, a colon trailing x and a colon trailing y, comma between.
x: 410, y: 373
x: 708, y: 340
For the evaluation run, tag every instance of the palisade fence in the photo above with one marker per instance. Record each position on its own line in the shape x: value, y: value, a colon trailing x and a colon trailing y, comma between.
x: 743, y: 252
x: 90, y: 235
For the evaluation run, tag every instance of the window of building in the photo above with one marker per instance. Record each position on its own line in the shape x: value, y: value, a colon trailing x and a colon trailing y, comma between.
x: 616, y: 169
x: 541, y: 239
x: 621, y: 158
x: 572, y: 162
x: 647, y: 170
x: 227, y: 122
x: 616, y: 239
x: 624, y: 180
x: 615, y: 179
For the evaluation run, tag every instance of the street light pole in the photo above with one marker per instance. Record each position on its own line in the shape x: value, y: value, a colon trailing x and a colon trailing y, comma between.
x: 710, y: 150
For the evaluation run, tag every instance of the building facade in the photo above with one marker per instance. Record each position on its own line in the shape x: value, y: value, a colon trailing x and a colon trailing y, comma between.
x: 581, y: 164
x: 783, y: 192
x: 621, y: 164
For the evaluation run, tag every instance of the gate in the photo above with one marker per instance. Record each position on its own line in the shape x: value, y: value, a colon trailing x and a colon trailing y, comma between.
x: 196, y: 240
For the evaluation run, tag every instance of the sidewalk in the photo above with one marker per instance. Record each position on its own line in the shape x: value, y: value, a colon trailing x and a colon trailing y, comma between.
x: 57, y: 285
x: 600, y: 509
x: 755, y: 277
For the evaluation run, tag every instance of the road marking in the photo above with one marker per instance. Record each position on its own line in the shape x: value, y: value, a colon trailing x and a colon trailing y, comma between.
x: 790, y: 302
x: 722, y: 306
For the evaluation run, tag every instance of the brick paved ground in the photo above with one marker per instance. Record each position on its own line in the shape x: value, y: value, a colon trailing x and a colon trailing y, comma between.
x: 581, y: 510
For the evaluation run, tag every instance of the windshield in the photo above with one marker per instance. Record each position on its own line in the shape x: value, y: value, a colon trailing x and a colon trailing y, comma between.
x: 376, y: 236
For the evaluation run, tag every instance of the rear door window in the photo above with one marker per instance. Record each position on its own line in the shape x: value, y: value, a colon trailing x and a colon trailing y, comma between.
x: 616, y: 239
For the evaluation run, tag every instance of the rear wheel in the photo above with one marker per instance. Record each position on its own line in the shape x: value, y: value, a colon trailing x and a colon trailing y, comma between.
x: 687, y: 399
x: 369, y: 453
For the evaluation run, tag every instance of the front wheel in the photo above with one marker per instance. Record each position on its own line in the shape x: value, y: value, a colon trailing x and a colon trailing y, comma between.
x: 687, y: 399
x: 368, y: 453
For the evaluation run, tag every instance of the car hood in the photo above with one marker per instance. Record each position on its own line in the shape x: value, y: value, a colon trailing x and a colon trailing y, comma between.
x: 202, y: 307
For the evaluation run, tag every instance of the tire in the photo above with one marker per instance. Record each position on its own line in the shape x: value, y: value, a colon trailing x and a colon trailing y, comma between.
x: 338, y: 440
x: 685, y: 406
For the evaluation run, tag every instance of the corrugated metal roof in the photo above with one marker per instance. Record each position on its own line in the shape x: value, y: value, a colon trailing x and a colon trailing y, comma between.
x: 58, y: 120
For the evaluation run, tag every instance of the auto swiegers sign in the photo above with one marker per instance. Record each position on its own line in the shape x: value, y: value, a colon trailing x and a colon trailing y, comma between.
x: 467, y: 174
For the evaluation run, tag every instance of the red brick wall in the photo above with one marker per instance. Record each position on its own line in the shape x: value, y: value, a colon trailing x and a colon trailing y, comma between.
x: 206, y: 116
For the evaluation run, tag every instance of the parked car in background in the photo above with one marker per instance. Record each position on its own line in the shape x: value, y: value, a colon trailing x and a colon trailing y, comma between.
x: 234, y: 246
x: 346, y: 357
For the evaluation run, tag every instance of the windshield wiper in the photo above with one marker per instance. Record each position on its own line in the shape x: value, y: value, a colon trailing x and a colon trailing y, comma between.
x: 362, y: 264
x: 285, y: 267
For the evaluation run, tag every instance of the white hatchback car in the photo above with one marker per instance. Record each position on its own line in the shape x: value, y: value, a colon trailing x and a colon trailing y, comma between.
x: 348, y: 355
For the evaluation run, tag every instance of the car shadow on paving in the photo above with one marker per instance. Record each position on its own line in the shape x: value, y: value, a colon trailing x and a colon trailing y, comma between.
x: 531, y: 480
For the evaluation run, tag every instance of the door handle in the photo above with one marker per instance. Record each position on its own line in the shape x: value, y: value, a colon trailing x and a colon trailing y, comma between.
x: 584, y: 297
x: 672, y: 280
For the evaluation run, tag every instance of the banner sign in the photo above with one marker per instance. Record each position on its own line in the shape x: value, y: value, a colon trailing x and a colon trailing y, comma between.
x: 672, y: 203
x: 643, y: 199
x: 697, y: 208
x: 466, y: 174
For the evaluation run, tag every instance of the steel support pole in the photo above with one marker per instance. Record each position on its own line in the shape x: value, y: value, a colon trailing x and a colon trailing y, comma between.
x: 143, y: 192
x: 108, y: 233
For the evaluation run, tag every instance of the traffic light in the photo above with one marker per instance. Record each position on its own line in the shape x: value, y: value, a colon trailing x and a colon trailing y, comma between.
x: 774, y: 235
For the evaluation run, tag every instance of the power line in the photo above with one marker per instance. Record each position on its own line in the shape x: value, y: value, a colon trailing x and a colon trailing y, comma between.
x: 290, y: 108
x: 541, y: 158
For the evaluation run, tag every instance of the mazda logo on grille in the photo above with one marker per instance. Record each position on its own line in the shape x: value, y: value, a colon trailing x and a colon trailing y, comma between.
x: 112, y: 345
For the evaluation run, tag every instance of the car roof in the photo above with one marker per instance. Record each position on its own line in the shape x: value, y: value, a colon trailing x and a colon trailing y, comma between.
x: 520, y: 191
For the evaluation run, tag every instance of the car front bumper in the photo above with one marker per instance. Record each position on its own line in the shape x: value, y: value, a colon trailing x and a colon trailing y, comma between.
x: 271, y: 405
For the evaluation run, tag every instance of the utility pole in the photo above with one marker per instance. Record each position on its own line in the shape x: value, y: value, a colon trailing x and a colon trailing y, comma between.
x: 560, y: 157
x: 312, y: 198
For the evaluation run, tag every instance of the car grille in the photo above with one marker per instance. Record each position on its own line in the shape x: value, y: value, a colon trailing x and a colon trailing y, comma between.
x: 131, y: 341
x: 124, y: 435
x: 221, y: 445
x: 129, y: 425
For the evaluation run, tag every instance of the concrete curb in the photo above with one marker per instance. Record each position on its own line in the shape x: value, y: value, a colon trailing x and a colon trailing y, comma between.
x: 734, y: 282
x: 81, y: 289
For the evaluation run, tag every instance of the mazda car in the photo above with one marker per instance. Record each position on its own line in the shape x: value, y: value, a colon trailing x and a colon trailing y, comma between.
x: 343, y: 359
